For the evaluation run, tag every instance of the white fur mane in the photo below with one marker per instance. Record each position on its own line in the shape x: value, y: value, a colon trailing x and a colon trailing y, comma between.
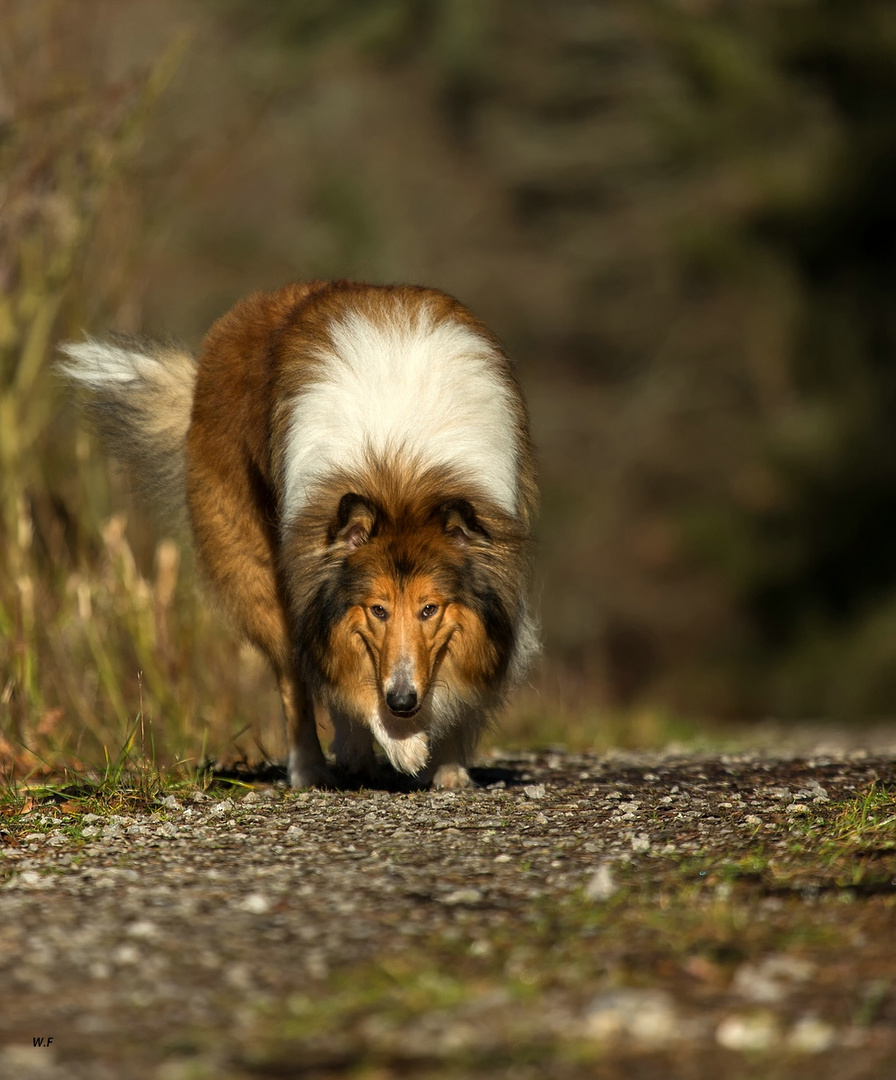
x: 411, y: 389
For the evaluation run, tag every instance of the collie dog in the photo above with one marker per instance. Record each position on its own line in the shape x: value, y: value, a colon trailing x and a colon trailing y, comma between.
x: 356, y: 468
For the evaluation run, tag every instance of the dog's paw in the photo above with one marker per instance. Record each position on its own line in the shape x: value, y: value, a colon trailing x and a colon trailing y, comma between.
x: 451, y: 778
x: 315, y: 774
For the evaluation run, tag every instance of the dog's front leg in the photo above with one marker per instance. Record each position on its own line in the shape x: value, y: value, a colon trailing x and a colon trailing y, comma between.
x: 353, y: 747
x: 447, y: 768
x: 307, y: 765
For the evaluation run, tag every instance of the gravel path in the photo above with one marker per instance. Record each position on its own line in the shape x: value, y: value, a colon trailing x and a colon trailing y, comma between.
x: 658, y: 914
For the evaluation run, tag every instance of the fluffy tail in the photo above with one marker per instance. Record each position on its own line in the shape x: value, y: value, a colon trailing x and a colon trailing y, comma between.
x: 139, y: 396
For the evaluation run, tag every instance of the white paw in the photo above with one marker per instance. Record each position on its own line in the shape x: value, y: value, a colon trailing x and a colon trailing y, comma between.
x: 451, y: 777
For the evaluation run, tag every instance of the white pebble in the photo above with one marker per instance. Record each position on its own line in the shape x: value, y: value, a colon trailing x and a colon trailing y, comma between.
x: 647, y: 1016
x: 602, y: 885
x: 753, y: 1032
x: 142, y: 928
x: 255, y: 904
x: 462, y: 896
x: 809, y: 1035
x: 127, y: 954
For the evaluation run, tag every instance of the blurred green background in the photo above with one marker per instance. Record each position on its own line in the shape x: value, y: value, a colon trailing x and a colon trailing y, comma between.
x: 679, y: 216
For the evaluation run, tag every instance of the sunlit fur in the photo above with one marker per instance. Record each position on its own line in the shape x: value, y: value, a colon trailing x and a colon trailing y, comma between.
x: 405, y: 543
x: 355, y: 464
x: 399, y: 378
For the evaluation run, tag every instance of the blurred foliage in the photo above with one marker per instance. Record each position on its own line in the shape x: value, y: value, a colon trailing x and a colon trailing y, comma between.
x: 92, y: 647
x: 816, y: 569
x: 679, y: 214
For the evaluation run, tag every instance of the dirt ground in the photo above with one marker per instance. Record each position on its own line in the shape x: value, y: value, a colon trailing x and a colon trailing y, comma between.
x: 632, y: 915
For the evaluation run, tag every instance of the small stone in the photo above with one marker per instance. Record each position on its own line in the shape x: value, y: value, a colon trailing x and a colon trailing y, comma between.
x: 142, y: 928
x: 810, y: 1035
x: 127, y: 955
x: 816, y: 792
x: 752, y: 1032
x: 754, y: 984
x: 462, y: 896
x: 32, y: 879
x: 255, y: 904
x: 602, y: 885
x: 239, y: 977
x: 646, y: 1016
x: 771, y: 979
x: 535, y: 791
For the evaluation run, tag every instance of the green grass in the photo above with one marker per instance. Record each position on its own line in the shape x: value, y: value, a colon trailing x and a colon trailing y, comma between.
x: 870, y: 817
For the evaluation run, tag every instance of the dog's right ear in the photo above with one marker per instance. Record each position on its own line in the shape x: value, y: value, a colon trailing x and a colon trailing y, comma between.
x: 355, y: 522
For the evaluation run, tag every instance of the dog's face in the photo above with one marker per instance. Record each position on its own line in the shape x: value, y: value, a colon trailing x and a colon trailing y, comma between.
x: 403, y: 607
x: 405, y: 627
x: 398, y: 641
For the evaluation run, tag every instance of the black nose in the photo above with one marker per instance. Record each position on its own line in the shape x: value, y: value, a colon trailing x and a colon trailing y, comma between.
x: 402, y: 701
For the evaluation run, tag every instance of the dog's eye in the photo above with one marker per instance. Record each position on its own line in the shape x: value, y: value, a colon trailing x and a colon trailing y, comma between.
x: 428, y: 611
x: 378, y: 611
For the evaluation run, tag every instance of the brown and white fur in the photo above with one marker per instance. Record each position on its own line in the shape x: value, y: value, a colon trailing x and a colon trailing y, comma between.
x: 356, y: 468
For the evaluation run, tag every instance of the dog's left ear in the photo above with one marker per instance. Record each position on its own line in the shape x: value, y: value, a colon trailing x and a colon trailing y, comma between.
x: 460, y: 523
